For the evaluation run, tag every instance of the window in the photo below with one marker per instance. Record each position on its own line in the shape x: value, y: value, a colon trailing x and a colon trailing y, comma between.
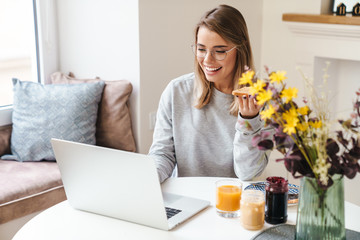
x: 18, y: 56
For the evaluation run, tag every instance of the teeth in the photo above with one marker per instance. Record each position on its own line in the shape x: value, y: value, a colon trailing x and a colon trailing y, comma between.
x: 212, y: 69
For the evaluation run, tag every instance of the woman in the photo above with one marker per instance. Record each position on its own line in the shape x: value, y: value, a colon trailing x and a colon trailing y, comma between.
x: 201, y: 128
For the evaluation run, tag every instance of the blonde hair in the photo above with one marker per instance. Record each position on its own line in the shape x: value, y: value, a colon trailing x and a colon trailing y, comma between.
x: 229, y: 23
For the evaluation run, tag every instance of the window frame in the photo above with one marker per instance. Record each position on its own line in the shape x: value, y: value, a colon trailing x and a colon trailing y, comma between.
x: 45, y: 46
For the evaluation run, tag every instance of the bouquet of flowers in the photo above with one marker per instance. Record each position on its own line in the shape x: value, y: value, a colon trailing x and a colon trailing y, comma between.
x: 303, y: 133
x: 311, y: 148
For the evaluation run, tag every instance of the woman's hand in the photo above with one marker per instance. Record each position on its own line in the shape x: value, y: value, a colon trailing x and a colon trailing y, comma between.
x: 248, y: 107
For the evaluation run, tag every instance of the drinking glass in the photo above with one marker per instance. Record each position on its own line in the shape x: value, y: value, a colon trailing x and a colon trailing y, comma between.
x: 228, y: 195
x: 252, y: 209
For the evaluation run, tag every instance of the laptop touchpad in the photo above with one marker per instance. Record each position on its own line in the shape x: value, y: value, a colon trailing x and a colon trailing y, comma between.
x: 170, y: 198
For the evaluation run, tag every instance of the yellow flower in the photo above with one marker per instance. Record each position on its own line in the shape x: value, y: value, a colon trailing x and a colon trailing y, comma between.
x: 289, y: 94
x: 316, y: 124
x: 291, y: 118
x: 289, y: 126
x: 303, y: 110
x: 257, y: 87
x: 278, y: 76
x: 302, y: 126
x: 263, y: 97
x: 266, y: 114
x: 246, y: 78
x: 290, y: 115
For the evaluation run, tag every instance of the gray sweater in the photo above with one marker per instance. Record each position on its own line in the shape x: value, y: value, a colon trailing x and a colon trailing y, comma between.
x: 203, y: 142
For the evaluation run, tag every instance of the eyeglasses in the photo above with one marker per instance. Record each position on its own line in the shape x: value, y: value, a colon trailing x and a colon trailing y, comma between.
x: 201, y: 52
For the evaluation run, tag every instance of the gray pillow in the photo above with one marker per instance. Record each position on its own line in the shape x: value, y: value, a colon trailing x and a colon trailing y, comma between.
x: 42, y: 112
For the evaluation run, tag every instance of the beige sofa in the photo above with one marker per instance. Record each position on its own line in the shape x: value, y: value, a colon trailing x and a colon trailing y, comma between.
x: 29, y: 187
x: 26, y: 187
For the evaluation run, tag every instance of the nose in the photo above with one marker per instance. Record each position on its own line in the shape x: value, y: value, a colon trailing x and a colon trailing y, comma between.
x: 209, y: 57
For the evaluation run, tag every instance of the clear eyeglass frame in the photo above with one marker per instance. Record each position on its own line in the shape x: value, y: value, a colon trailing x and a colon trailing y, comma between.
x: 218, y: 55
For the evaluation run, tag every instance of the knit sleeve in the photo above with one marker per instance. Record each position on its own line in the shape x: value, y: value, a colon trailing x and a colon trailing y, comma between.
x: 249, y: 161
x: 162, y: 148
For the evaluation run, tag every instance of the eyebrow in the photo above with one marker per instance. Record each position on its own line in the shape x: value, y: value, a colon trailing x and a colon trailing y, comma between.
x: 218, y: 46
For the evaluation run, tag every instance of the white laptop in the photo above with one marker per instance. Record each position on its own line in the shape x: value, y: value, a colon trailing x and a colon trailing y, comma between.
x: 121, y: 185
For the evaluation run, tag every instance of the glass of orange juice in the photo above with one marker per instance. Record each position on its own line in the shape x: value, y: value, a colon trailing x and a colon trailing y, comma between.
x: 228, y: 196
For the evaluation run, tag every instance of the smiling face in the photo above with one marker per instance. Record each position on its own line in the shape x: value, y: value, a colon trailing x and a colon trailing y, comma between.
x: 221, y: 73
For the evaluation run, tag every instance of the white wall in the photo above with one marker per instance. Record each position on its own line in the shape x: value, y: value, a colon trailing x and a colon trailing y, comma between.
x: 278, y: 49
x: 101, y: 38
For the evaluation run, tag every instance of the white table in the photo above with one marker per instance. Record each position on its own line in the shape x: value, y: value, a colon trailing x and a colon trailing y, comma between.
x: 63, y: 222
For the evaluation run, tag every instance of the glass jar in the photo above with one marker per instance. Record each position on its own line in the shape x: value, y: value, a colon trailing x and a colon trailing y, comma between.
x: 252, y: 209
x: 276, y: 200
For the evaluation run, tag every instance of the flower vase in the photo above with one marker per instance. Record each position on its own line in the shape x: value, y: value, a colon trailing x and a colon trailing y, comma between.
x: 320, y: 213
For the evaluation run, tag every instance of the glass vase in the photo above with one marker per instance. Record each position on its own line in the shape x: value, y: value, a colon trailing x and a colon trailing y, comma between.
x: 320, y: 212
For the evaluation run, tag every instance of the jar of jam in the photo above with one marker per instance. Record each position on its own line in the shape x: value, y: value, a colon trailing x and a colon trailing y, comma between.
x: 276, y: 200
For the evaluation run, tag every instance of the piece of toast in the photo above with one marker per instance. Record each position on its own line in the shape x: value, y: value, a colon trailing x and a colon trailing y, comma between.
x: 241, y: 91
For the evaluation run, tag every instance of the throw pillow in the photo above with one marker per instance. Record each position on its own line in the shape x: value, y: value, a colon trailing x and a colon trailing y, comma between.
x: 113, y: 128
x: 5, y: 133
x: 42, y: 112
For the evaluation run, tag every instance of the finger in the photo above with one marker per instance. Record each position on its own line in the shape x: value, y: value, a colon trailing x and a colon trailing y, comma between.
x: 245, y: 99
x: 241, y: 102
x: 252, y: 104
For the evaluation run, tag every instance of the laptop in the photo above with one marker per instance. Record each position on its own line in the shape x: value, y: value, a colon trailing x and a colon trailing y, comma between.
x: 120, y: 184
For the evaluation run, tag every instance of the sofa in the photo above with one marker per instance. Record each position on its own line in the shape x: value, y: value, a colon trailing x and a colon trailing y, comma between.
x: 31, y: 182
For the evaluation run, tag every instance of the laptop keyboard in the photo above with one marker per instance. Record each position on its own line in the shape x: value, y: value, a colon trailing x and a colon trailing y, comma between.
x: 170, y: 212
